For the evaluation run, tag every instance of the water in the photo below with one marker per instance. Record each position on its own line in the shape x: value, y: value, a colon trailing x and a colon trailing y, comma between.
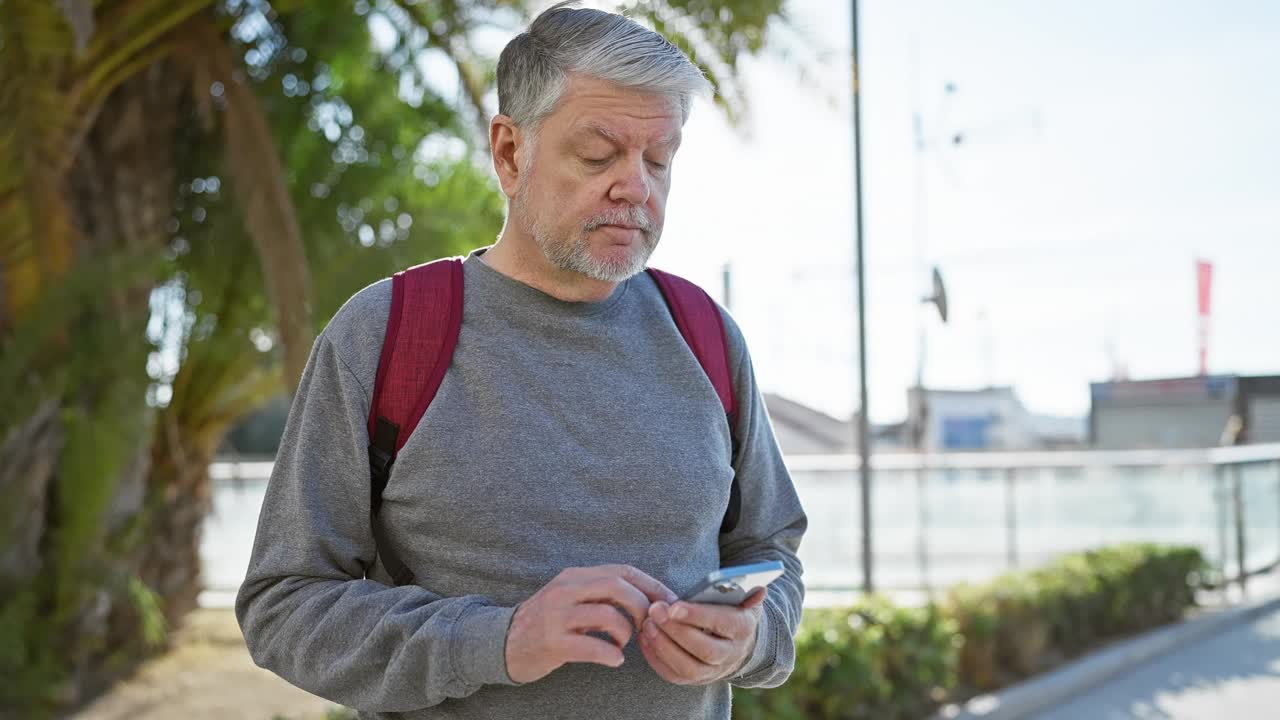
x: 964, y: 514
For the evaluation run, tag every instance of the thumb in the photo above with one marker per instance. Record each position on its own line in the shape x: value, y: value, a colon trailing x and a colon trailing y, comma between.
x: 755, y: 599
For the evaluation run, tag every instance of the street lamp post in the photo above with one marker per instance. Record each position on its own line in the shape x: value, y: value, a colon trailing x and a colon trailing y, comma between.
x: 863, y: 441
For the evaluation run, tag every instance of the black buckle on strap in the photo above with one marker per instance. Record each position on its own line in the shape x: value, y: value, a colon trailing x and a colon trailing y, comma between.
x: 380, y: 462
x: 382, y: 455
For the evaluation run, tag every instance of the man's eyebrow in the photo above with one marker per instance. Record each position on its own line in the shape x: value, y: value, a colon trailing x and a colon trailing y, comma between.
x: 673, y: 139
x: 600, y: 130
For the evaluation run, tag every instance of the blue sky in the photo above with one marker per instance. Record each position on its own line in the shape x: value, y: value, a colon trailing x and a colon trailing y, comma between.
x: 1110, y: 144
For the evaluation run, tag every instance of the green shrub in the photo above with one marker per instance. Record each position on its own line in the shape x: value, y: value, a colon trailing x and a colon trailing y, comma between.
x: 1023, y: 622
x: 875, y: 660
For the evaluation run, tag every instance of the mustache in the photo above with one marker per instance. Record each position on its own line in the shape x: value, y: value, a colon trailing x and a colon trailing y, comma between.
x: 633, y: 216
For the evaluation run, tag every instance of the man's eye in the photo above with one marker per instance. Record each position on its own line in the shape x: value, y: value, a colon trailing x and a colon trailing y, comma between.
x: 657, y: 165
x: 596, y: 161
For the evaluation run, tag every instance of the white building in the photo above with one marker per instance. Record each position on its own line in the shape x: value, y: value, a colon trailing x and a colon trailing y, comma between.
x: 984, y: 419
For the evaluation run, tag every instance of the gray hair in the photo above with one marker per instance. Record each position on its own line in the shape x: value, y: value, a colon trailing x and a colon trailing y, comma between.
x: 533, y: 67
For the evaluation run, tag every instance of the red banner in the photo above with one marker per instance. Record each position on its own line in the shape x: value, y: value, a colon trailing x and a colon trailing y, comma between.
x: 1204, y: 278
x: 1204, y: 273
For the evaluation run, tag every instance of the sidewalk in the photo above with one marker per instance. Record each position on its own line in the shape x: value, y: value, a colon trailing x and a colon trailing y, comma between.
x: 1223, y: 662
x: 1234, y: 675
x: 208, y: 676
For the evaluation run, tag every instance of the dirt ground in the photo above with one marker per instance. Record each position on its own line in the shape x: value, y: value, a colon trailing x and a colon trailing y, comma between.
x: 207, y: 676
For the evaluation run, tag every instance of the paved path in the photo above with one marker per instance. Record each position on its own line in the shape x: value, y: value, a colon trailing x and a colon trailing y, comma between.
x: 208, y: 676
x: 1234, y: 676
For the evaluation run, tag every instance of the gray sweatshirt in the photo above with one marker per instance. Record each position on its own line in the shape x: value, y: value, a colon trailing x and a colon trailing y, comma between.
x: 563, y: 435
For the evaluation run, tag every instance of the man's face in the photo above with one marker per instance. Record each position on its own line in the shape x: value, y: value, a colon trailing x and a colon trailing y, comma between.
x: 595, y: 193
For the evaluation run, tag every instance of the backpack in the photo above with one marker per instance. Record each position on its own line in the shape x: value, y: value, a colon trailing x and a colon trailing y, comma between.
x: 422, y: 332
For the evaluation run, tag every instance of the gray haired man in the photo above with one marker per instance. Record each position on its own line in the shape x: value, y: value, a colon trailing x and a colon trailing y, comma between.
x: 569, y: 479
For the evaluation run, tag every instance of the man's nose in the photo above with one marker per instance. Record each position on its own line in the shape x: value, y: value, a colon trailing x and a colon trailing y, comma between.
x: 632, y: 183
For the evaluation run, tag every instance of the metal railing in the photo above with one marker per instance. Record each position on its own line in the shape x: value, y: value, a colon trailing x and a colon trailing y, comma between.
x: 944, y: 518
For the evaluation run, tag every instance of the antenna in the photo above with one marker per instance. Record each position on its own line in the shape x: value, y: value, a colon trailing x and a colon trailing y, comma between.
x: 939, y: 296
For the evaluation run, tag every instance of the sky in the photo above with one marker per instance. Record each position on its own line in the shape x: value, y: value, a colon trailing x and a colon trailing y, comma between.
x: 1108, y: 146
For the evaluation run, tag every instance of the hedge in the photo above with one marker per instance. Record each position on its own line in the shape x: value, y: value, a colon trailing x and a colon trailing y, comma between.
x: 877, y: 660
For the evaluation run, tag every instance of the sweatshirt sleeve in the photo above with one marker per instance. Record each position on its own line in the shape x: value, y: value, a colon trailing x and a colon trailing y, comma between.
x: 306, y: 609
x: 770, y: 527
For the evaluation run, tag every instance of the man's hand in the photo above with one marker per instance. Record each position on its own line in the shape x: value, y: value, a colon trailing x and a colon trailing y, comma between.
x: 699, y: 643
x: 550, y: 628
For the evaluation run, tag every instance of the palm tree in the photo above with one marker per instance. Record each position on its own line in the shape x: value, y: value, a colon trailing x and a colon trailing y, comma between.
x: 143, y: 310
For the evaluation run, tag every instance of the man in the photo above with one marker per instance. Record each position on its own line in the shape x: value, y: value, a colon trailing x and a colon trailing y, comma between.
x: 569, y: 479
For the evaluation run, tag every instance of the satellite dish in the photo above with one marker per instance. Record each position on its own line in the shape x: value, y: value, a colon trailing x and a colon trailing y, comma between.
x: 939, y: 296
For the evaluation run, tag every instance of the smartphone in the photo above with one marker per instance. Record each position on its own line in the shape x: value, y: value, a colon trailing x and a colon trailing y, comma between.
x: 733, y: 585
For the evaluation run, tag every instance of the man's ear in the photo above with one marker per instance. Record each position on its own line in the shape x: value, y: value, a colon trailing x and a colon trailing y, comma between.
x: 506, y: 143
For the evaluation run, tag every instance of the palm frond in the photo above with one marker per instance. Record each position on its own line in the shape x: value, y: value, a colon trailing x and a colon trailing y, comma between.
x: 698, y: 41
x: 447, y: 32
x: 222, y: 376
x: 35, y: 51
x: 131, y: 37
x: 79, y: 15
x: 261, y: 188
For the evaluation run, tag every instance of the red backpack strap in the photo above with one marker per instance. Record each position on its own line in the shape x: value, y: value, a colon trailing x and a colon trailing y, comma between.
x: 698, y: 318
x: 422, y: 332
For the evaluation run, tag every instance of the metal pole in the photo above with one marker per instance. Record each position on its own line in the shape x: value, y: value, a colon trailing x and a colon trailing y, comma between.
x: 864, y: 442
x: 728, y: 287
x: 1237, y: 501
x: 922, y: 540
x: 1011, y: 516
x: 1220, y: 507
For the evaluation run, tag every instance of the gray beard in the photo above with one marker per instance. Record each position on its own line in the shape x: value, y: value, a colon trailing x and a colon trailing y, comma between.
x: 574, y: 254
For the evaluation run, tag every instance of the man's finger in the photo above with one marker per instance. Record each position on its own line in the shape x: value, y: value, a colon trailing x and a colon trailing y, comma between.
x: 617, y: 590
x: 685, y: 665
x: 756, y: 598
x: 584, y: 648
x: 605, y: 618
x: 663, y: 670
x: 645, y: 583
x: 708, y: 648
x: 722, y: 620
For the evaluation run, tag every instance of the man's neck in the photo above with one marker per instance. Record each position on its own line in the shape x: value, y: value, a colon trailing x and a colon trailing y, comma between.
x: 520, y: 259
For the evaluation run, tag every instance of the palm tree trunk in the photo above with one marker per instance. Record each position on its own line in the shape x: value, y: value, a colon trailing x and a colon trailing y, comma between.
x: 76, y: 467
